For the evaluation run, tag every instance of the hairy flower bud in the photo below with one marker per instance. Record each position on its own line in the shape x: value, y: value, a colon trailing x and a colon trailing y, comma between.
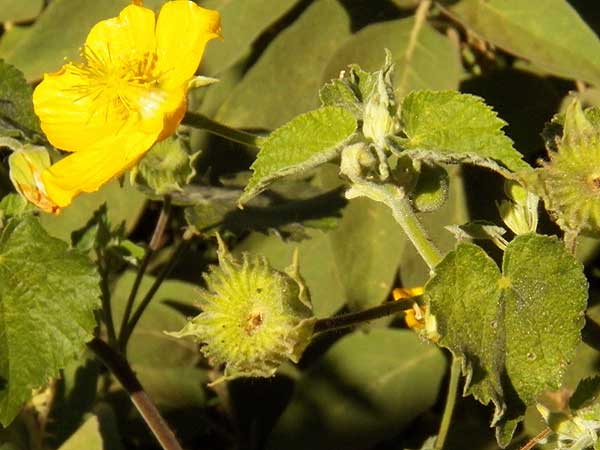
x: 253, y: 317
x: 26, y: 167
x: 380, y: 118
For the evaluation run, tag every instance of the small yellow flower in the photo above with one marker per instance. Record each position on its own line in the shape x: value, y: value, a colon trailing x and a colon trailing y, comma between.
x: 415, y: 316
x: 129, y: 93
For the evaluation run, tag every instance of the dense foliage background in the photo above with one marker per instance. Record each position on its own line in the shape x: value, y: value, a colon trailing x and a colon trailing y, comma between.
x: 381, y: 389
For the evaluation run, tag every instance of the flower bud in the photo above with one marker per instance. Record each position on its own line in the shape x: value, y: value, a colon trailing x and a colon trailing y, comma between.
x: 520, y: 213
x: 253, y: 317
x: 26, y: 166
x: 380, y: 109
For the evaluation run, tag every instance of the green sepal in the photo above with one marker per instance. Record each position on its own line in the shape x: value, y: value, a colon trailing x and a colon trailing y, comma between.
x: 166, y: 168
x: 350, y: 91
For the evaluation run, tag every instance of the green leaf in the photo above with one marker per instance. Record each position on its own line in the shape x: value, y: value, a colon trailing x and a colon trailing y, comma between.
x: 123, y: 204
x: 13, y: 205
x: 464, y: 296
x: 19, y: 10
x: 448, y: 126
x: 286, y: 78
x: 307, y: 141
x: 365, y: 389
x: 423, y: 58
x: 243, y: 21
x: 16, y: 107
x: 48, y: 296
x: 517, y: 330
x: 98, y: 432
x: 59, y: 33
x: 556, y: 40
x: 544, y: 308
x: 166, y: 168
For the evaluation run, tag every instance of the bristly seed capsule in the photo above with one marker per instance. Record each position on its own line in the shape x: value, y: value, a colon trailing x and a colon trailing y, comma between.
x: 253, y: 317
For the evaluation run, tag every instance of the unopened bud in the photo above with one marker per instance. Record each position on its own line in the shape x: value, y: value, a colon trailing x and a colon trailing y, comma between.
x: 26, y: 167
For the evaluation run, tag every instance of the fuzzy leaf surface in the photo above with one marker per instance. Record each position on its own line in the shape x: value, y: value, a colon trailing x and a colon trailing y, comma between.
x: 16, y: 106
x: 48, y: 295
x: 464, y: 296
x: 517, y: 330
x: 307, y: 141
x: 544, y: 312
x: 448, y: 126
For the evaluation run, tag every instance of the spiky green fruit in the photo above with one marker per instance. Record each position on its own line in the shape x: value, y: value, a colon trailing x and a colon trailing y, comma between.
x: 569, y: 183
x: 253, y: 317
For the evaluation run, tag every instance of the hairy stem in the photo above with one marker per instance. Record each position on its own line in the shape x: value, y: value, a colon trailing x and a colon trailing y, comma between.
x: 153, y: 247
x: 449, y: 406
x: 404, y: 214
x: 123, y: 372
x: 200, y: 121
x: 130, y: 326
x: 351, y: 319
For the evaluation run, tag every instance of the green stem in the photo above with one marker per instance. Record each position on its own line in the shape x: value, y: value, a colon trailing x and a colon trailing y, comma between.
x: 105, y: 298
x: 449, y: 407
x: 351, y: 319
x: 200, y: 121
x: 405, y: 215
x: 153, y: 247
x: 123, y: 372
x: 130, y: 326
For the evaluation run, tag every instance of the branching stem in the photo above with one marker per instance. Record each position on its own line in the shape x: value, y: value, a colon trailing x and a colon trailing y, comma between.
x: 351, y: 319
x: 153, y: 247
x: 181, y: 249
x: 123, y: 372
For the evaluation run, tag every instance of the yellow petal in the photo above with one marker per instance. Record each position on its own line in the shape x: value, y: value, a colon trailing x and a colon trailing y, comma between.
x: 129, y: 35
x: 182, y: 31
x: 403, y: 293
x: 86, y: 171
x: 162, y: 109
x: 70, y: 118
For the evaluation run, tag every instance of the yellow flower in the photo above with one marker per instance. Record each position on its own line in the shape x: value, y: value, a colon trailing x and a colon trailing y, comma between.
x: 129, y: 93
x: 414, y: 316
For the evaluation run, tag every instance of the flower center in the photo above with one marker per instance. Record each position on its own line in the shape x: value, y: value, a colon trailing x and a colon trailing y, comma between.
x: 129, y: 83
